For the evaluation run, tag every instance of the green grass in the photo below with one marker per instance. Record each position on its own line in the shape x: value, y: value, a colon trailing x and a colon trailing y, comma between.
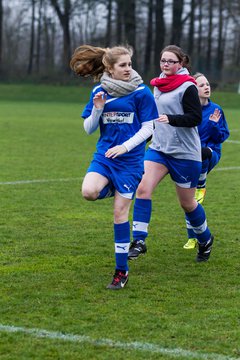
x: 56, y: 250
x: 80, y: 93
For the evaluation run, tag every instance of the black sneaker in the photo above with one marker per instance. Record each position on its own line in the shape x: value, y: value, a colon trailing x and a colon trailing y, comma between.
x: 136, y: 248
x: 120, y: 279
x: 204, y: 251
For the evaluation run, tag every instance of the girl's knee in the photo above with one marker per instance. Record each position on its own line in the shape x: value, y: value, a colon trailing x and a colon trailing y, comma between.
x: 143, y: 191
x: 89, y: 194
x: 188, y: 206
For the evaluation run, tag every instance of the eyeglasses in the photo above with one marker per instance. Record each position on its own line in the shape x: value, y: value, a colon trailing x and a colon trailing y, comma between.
x: 169, y: 62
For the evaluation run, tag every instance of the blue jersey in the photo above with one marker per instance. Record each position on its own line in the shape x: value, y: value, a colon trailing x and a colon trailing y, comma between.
x: 122, y: 118
x: 213, y: 134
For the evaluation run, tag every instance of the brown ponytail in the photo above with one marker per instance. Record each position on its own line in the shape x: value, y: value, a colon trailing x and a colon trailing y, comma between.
x: 92, y: 61
x: 87, y: 61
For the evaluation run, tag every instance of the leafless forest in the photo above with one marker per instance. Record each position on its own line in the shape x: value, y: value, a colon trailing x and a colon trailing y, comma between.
x: 37, y: 37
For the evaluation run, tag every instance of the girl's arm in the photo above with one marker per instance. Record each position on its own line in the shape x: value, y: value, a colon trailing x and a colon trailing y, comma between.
x: 143, y: 134
x: 91, y: 123
x: 192, y: 110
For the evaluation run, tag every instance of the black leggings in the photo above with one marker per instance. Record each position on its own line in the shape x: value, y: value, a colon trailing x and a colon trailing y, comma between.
x: 206, y: 153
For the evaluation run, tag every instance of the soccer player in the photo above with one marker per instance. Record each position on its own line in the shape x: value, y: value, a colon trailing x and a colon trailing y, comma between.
x: 175, y: 150
x: 123, y: 108
x: 213, y: 131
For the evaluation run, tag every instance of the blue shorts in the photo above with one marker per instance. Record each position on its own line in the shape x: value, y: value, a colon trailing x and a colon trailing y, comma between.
x: 125, y: 181
x: 185, y: 173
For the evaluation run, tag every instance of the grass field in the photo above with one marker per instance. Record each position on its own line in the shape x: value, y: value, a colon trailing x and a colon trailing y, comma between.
x: 56, y: 250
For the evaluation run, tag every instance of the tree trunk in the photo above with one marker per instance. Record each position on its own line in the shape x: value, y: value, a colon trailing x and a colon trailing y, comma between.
x: 177, y: 22
x: 109, y: 24
x: 39, y: 31
x: 149, y: 38
x: 120, y: 15
x: 1, y: 35
x: 191, y: 29
x: 159, y: 34
x: 64, y: 18
x: 130, y: 22
x: 236, y: 57
x: 130, y: 28
x: 209, y: 41
x: 49, y: 41
x: 32, y: 40
x: 199, y: 43
x: 220, y: 43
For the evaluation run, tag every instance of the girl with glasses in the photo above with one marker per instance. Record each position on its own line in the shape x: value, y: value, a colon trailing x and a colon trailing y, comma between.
x: 175, y: 150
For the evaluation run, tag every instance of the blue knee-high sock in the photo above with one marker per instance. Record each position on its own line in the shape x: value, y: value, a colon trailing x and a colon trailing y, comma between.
x: 106, y: 192
x: 198, y: 221
x: 141, y: 218
x: 122, y: 242
x: 190, y: 232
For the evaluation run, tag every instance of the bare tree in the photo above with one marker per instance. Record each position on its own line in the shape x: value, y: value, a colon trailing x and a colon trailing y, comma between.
x: 209, y: 40
x: 49, y: 30
x: 220, y: 41
x: 32, y: 39
x: 130, y: 22
x: 120, y: 21
x: 126, y: 22
x: 1, y: 34
x: 109, y: 23
x: 232, y: 36
x: 39, y: 33
x: 177, y: 22
x: 159, y: 32
x: 191, y: 28
x: 149, y: 38
x: 63, y: 14
x: 237, y: 55
x: 199, y: 41
x: 198, y: 32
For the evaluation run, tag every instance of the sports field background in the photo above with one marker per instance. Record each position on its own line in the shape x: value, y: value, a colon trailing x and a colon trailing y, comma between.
x: 57, y: 251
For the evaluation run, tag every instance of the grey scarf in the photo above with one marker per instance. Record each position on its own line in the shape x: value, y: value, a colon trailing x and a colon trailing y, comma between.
x: 118, y: 88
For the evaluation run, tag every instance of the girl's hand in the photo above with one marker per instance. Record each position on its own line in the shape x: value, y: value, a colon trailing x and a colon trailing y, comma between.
x: 215, y: 116
x: 99, y: 100
x: 115, y: 151
x: 163, y: 119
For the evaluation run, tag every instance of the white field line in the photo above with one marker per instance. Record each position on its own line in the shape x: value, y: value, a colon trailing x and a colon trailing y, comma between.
x: 227, y: 168
x: 41, y: 181
x: 233, y: 141
x: 135, y: 346
x: 23, y: 182
x: 37, y: 181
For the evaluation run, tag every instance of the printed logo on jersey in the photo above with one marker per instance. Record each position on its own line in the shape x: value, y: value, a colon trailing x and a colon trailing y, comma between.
x: 118, y: 117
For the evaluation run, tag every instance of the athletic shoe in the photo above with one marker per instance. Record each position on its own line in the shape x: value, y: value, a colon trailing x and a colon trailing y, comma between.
x: 204, y: 251
x: 191, y: 244
x: 120, y: 279
x: 200, y: 195
x: 136, y: 248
